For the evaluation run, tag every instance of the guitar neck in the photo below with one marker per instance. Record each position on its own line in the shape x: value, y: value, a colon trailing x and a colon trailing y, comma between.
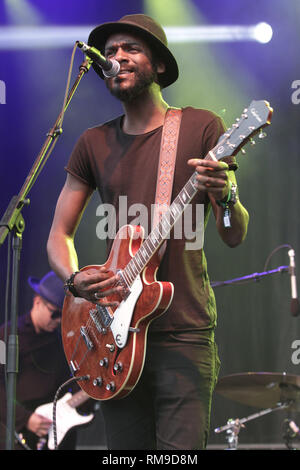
x: 161, y: 231
x: 78, y: 399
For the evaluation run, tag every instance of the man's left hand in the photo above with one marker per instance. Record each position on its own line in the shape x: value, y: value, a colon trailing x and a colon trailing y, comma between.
x: 212, y: 177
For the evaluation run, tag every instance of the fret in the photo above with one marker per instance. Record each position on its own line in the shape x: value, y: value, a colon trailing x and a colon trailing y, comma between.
x: 129, y: 277
x: 180, y: 203
x: 184, y: 197
x: 192, y: 182
x: 158, y: 233
x: 130, y: 270
x: 141, y: 254
x: 147, y: 249
x: 190, y: 187
x: 126, y: 276
x: 153, y: 239
x: 134, y: 267
x: 128, y: 273
x: 174, y: 209
x: 166, y: 225
x: 138, y: 259
x: 144, y: 247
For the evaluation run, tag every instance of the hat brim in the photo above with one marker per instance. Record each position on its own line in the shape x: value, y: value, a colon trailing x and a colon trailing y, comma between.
x: 101, y: 33
x: 35, y: 284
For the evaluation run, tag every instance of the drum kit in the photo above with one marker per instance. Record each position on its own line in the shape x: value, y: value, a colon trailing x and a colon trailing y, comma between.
x: 265, y: 390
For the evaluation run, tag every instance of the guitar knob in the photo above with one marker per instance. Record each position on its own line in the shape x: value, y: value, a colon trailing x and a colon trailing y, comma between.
x: 98, y: 382
x: 111, y: 386
x: 103, y: 362
x: 262, y: 134
x: 118, y: 367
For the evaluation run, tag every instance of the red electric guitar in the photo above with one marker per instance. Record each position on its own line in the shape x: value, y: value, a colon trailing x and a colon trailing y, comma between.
x: 108, y: 345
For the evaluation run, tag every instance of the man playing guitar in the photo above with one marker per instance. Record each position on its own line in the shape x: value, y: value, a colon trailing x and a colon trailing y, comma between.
x: 169, y: 408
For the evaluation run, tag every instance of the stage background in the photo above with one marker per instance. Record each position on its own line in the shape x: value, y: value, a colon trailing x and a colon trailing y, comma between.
x: 255, y: 327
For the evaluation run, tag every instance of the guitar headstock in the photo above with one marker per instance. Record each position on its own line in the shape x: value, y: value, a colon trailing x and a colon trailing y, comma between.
x: 253, y: 119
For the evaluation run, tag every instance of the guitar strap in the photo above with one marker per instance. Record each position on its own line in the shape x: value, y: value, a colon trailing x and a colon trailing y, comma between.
x: 166, y: 166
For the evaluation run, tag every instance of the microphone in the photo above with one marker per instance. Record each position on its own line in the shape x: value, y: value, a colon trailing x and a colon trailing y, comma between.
x: 294, y: 295
x: 110, y: 68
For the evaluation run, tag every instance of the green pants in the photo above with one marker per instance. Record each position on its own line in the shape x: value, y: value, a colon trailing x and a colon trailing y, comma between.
x: 170, y: 406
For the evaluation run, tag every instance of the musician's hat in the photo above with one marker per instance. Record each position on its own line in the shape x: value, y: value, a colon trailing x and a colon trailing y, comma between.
x: 146, y: 28
x: 50, y: 287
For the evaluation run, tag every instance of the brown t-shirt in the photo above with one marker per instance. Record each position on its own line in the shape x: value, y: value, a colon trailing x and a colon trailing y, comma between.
x: 118, y: 164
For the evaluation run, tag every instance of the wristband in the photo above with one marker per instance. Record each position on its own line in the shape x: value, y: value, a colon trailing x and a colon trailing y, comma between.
x: 231, y: 198
x: 69, y: 285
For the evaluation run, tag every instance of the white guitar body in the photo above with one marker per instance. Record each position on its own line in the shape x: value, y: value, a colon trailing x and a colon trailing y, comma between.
x: 66, y: 418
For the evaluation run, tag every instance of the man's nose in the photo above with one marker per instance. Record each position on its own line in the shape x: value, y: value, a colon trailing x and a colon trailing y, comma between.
x: 120, y: 55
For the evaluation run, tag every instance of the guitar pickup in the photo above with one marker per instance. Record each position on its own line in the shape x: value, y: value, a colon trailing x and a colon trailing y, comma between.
x: 87, y: 340
x: 96, y: 320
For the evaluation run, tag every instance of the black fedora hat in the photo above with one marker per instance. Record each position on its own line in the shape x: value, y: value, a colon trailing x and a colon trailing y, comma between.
x: 50, y: 287
x: 149, y: 30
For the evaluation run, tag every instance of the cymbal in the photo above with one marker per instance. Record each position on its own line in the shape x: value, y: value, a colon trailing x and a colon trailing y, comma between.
x: 261, y: 389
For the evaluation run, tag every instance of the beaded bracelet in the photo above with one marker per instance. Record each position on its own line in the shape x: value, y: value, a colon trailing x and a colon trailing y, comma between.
x: 69, y: 284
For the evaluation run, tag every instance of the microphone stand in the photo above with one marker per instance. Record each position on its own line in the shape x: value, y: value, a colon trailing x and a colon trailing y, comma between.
x: 251, y: 277
x: 233, y: 427
x: 12, y: 221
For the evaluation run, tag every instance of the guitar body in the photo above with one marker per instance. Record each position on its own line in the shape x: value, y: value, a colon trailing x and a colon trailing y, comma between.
x: 109, y: 344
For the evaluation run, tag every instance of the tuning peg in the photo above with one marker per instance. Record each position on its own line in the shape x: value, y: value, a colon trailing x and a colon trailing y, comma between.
x: 243, y: 151
x: 262, y: 134
x: 252, y: 142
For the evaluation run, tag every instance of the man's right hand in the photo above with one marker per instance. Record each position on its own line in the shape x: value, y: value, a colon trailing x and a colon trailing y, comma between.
x: 38, y: 424
x: 95, y: 285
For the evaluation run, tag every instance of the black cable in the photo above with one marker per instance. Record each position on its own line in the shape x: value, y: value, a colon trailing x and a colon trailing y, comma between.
x: 273, y: 252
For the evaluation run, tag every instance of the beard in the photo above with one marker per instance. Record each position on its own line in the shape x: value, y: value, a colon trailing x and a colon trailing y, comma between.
x: 142, y: 83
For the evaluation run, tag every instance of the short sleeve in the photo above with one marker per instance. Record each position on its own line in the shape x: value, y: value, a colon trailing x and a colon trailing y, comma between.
x: 79, y: 164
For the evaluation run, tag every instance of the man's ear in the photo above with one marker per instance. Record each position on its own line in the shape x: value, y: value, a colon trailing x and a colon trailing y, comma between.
x: 37, y: 299
x: 160, y: 67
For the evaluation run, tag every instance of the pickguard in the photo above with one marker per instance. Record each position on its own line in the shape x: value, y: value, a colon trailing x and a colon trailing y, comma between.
x: 123, y: 314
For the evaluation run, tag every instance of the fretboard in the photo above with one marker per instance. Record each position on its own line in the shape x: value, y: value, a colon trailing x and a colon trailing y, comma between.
x: 78, y: 398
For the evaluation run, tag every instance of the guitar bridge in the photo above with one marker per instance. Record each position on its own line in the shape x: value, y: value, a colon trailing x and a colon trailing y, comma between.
x: 105, y: 316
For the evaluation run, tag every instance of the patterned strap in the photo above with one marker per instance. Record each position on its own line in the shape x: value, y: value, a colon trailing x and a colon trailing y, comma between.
x: 166, y: 165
